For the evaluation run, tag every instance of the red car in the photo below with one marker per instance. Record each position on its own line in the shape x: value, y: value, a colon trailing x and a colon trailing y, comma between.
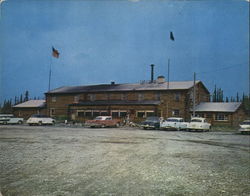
x: 103, y: 121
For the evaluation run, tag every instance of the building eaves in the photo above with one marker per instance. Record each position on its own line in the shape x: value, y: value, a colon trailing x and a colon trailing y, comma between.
x: 114, y: 102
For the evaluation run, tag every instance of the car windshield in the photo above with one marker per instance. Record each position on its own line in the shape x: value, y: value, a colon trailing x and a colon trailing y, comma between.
x: 99, y: 118
x: 39, y: 116
x: 172, y: 120
x: 196, y: 120
x: 153, y: 118
x: 246, y: 123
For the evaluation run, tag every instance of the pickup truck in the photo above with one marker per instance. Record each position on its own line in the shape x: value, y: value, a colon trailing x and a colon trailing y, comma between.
x: 103, y: 121
x: 199, y: 124
x: 174, y: 123
x: 10, y: 119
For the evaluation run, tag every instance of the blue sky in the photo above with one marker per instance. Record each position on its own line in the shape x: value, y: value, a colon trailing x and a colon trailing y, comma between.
x: 106, y: 40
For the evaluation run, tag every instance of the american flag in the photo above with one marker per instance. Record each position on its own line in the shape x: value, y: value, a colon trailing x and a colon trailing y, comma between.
x: 55, y: 53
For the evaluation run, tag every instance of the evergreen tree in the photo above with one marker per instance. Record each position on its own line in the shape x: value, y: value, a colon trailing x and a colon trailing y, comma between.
x: 26, y: 98
x: 21, y: 98
x: 237, y: 97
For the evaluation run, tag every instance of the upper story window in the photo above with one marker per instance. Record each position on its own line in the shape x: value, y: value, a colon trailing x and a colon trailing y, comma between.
x: 76, y: 98
x: 158, y: 96
x: 140, y: 96
x: 53, y: 99
x: 124, y: 96
x: 91, y: 97
x: 107, y: 96
x: 177, y: 96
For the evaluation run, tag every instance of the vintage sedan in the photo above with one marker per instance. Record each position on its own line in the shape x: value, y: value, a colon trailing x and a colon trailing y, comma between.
x: 245, y: 127
x: 10, y: 119
x: 39, y: 119
x: 198, y: 124
x: 174, y: 123
x: 152, y: 122
x: 103, y: 121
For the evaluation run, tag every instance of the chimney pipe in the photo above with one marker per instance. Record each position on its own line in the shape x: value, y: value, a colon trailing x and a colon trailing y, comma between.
x: 152, y: 72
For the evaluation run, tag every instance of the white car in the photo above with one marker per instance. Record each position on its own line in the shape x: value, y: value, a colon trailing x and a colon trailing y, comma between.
x: 10, y: 119
x: 245, y: 127
x: 174, y: 123
x: 199, y: 124
x: 38, y: 119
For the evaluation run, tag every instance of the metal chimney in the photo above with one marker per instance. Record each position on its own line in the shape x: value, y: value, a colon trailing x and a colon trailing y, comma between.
x: 152, y: 72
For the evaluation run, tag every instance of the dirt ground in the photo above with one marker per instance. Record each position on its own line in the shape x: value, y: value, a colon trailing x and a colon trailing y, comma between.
x: 66, y: 161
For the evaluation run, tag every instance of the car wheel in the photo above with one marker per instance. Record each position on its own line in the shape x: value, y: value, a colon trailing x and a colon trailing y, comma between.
x: 40, y: 123
x: 103, y: 126
x: 117, y: 125
x: 20, y: 122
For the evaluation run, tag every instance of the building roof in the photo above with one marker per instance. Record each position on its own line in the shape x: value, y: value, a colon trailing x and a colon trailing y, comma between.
x: 31, y: 104
x: 115, y: 102
x: 144, y: 86
x: 217, y: 107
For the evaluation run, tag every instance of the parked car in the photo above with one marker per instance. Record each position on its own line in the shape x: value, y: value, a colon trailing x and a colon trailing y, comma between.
x: 152, y: 122
x: 199, y: 124
x: 245, y: 127
x: 103, y: 121
x: 39, y: 119
x: 174, y: 123
x: 10, y: 119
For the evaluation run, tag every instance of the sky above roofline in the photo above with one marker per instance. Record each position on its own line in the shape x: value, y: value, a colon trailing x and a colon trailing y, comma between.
x: 104, y: 41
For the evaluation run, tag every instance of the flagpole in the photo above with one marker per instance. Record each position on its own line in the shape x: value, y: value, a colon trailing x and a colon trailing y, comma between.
x: 50, y: 72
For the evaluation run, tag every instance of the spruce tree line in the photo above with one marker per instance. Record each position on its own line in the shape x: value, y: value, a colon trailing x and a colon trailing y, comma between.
x: 6, y: 107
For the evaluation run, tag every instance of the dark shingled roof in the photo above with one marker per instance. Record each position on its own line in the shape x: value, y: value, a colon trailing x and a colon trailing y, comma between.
x: 115, y: 102
x: 180, y: 85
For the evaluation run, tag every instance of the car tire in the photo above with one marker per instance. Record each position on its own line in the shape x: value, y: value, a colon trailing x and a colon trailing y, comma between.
x: 40, y: 123
x: 20, y: 122
x: 117, y: 125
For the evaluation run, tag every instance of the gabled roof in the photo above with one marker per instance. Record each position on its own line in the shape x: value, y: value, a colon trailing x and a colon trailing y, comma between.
x: 177, y: 85
x: 217, y: 107
x: 31, y: 104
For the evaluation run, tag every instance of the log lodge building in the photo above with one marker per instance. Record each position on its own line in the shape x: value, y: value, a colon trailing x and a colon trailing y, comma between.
x: 134, y: 101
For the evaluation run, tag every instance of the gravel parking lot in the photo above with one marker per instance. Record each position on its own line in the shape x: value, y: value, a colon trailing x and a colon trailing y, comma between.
x: 60, y: 161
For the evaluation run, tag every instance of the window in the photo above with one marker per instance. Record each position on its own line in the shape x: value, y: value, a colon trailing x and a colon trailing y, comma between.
x: 177, y: 96
x: 141, y: 114
x: 158, y: 96
x: 91, y: 97
x: 221, y: 117
x: 107, y: 96
x: 80, y: 114
x: 76, y: 98
x: 209, y: 115
x: 115, y: 113
x: 88, y: 113
x: 123, y: 113
x: 176, y: 112
x: 104, y: 113
x: 52, y: 111
x: 53, y: 99
x: 150, y: 113
x: 140, y: 96
x: 96, y: 113
x: 124, y: 96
